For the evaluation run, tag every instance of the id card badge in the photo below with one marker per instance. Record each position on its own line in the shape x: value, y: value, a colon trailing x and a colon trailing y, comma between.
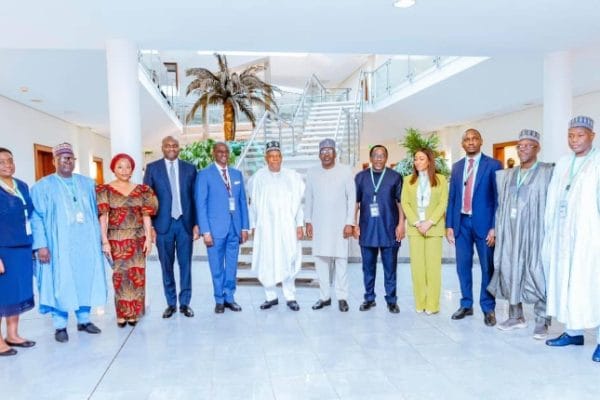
x: 28, y: 227
x: 79, y: 217
x: 513, y: 213
x: 374, y: 208
x: 231, y: 204
x: 562, y: 209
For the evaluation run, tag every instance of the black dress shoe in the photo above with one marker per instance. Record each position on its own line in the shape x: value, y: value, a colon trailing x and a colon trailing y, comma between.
x: 89, y: 328
x: 9, y: 352
x: 233, y: 306
x: 321, y: 303
x: 343, y: 305
x: 293, y: 305
x: 61, y: 335
x: 187, y: 311
x: 219, y: 308
x: 393, y: 308
x: 121, y: 324
x: 25, y: 344
x: 489, y: 318
x: 132, y: 322
x: 169, y: 311
x: 462, y: 312
x: 268, y: 304
x: 367, y: 305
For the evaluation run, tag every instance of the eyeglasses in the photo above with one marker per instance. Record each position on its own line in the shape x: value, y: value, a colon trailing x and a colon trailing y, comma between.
x: 526, y: 146
x: 326, y: 150
x: 67, y: 158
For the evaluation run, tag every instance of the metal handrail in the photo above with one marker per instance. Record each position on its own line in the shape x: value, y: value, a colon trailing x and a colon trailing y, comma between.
x: 260, y: 125
x: 337, y: 128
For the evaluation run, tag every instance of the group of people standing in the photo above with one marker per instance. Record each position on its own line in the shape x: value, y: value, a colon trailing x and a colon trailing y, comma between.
x: 530, y: 226
x: 533, y: 227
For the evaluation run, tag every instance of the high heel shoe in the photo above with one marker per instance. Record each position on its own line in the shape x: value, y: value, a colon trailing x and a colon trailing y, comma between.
x: 132, y: 322
x: 121, y: 324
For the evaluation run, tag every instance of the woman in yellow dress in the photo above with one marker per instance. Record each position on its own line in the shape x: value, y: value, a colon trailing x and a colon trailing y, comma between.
x: 424, y: 199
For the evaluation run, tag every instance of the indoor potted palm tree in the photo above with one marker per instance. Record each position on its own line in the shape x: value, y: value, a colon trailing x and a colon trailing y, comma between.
x: 236, y: 92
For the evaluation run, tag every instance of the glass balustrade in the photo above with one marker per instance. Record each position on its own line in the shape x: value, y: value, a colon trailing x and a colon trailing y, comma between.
x: 400, y: 71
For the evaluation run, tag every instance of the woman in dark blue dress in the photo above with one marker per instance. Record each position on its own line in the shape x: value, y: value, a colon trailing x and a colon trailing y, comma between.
x: 16, y: 266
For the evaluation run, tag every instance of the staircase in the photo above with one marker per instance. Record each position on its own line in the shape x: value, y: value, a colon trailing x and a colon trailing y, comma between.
x: 321, y: 113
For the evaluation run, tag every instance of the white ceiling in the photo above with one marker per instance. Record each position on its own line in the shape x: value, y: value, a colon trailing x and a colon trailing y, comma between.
x: 56, y: 48
x: 445, y: 27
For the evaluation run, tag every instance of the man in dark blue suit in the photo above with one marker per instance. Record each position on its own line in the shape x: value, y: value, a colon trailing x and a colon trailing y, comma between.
x: 223, y: 220
x: 174, y: 224
x: 470, y: 219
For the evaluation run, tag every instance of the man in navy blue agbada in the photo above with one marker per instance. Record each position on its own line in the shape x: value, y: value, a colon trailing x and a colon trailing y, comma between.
x: 381, y: 225
x: 470, y: 221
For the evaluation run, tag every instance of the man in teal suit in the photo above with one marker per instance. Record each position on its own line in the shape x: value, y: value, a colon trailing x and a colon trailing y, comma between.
x: 223, y: 219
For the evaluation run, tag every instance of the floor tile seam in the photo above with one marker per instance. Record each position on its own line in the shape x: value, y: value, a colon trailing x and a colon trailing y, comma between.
x: 111, y: 363
x: 264, y: 356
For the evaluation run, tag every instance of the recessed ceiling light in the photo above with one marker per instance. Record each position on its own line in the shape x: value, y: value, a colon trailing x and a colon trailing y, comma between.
x: 24, y: 89
x: 36, y: 100
x: 404, y: 3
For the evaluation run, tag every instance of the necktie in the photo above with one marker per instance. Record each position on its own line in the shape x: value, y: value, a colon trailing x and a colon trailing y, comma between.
x: 468, y: 187
x: 175, y: 210
x: 224, y: 172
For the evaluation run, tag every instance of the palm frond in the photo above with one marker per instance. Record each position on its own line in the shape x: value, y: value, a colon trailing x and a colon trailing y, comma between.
x: 222, y: 60
x: 248, y: 112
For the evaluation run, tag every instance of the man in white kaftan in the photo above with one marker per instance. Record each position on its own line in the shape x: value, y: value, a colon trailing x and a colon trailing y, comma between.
x: 276, y: 219
x: 571, y: 252
x: 70, y: 268
x: 329, y: 214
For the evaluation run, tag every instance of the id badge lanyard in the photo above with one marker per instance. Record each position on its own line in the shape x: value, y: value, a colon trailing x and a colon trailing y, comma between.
x: 17, y: 192
x: 520, y: 180
x: 573, y: 172
x: 72, y: 191
x: 227, y: 181
x: 374, y: 207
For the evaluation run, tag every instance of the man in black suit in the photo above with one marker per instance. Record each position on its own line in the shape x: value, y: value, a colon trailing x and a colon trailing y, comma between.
x: 174, y: 224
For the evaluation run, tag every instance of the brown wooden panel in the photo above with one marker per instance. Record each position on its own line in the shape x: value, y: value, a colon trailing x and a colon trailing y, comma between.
x: 44, y: 162
x: 99, y: 165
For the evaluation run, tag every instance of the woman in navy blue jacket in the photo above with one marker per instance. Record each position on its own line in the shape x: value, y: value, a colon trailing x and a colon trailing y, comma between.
x: 16, y: 266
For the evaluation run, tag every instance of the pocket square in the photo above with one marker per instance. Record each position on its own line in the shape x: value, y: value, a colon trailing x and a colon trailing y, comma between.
x: 236, y: 182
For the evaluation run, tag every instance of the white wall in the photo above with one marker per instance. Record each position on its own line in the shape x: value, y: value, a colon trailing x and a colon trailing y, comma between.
x: 21, y: 127
x: 506, y: 127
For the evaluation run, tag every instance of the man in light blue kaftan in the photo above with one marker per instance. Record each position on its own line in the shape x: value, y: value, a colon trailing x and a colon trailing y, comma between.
x: 66, y: 237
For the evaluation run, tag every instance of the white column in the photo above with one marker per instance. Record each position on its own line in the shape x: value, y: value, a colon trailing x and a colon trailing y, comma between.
x: 124, y: 102
x: 558, y: 104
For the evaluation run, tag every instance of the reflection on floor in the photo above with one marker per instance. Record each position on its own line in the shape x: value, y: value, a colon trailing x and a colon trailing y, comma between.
x: 281, y: 354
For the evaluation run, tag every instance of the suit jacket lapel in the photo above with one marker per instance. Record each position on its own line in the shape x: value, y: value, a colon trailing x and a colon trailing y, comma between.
x: 162, y: 170
x: 180, y: 167
x: 481, y: 170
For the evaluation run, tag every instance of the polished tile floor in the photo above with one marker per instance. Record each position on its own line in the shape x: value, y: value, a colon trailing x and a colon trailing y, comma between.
x: 280, y: 354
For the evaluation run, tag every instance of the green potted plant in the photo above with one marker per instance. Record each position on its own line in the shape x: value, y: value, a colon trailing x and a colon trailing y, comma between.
x: 200, y: 153
x: 414, y: 140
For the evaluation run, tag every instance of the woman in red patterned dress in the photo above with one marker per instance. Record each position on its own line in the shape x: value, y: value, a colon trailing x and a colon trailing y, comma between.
x: 125, y: 209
